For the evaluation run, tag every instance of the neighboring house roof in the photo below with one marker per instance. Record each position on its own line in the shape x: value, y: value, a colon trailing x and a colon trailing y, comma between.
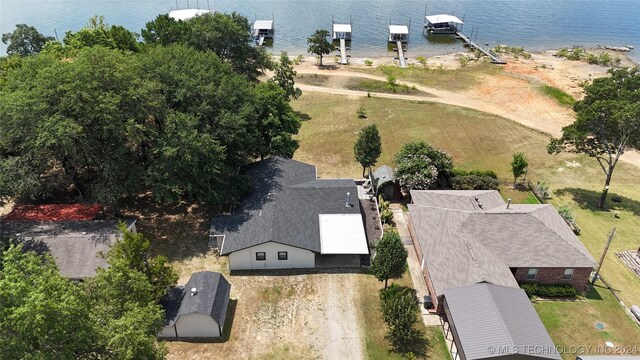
x: 383, y: 175
x: 471, y: 245
x: 284, y: 206
x: 470, y: 200
x: 186, y: 14
x: 487, y: 316
x: 76, y: 246
x: 55, y: 212
x: 211, y: 298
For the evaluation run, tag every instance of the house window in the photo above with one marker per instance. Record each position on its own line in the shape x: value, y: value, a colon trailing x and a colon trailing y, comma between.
x: 261, y: 256
x: 531, y: 275
x: 283, y: 255
x: 568, y: 274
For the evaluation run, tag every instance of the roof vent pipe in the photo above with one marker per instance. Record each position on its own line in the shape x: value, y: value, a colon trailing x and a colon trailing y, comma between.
x: 194, y: 291
x: 508, y: 203
x: 348, y: 203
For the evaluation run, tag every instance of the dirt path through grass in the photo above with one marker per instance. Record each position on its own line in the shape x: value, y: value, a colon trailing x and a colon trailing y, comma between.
x: 507, y: 97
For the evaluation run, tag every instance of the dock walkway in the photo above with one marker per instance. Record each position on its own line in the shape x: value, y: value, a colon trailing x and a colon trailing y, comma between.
x: 261, y: 40
x: 468, y: 41
x: 403, y: 62
x: 343, y: 52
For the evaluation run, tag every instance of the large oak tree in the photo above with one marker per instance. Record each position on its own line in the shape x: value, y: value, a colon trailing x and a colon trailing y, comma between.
x: 607, y: 122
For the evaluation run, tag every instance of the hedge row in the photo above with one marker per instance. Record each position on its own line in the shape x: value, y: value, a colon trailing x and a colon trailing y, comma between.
x: 549, y: 290
x: 474, y: 182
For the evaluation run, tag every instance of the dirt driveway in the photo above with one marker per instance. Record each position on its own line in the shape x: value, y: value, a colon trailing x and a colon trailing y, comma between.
x: 288, y: 316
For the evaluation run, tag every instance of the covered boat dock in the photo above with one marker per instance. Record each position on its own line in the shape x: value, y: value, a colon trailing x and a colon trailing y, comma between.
x: 342, y: 33
x: 262, y: 29
x: 442, y: 24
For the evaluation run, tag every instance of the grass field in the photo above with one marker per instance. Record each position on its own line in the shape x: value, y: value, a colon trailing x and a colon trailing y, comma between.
x: 376, y: 346
x: 573, y: 323
x: 382, y: 87
x: 436, y: 77
x: 480, y: 141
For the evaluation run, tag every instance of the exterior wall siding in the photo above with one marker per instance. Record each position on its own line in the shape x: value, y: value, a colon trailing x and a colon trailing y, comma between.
x: 168, y: 332
x: 197, y: 325
x: 553, y: 275
x: 245, y: 259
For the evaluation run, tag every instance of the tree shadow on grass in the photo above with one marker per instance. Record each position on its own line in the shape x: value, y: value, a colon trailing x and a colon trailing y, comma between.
x: 302, y: 116
x: 588, y: 199
x: 416, y: 344
x: 594, y: 292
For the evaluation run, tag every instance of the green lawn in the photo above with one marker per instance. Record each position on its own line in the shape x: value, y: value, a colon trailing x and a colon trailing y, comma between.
x: 572, y: 324
x: 480, y: 141
x: 432, y: 345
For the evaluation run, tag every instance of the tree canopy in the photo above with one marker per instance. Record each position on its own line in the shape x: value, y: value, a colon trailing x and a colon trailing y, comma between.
x: 368, y: 147
x: 390, y: 261
x: 420, y: 166
x: 319, y: 45
x: 114, y: 315
x: 24, y: 40
x: 226, y: 35
x: 607, y: 122
x: 284, y: 75
x: 110, y: 123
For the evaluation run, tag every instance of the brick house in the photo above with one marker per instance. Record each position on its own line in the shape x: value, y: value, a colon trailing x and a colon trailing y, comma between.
x: 465, y: 237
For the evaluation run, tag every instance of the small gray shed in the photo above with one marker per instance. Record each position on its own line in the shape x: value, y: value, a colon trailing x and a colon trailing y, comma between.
x: 384, y: 181
x: 197, y: 310
x: 490, y: 321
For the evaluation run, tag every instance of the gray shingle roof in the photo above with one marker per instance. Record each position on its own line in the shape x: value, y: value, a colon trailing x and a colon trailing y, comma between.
x: 463, y: 247
x: 469, y: 200
x: 75, y: 245
x: 384, y: 174
x: 212, y: 298
x: 284, y: 206
x: 488, y: 316
x: 455, y: 259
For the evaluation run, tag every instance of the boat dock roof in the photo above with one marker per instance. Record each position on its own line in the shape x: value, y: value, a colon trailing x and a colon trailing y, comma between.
x: 186, y: 14
x: 443, y: 18
x: 263, y: 25
x: 345, y: 28
x: 398, y: 29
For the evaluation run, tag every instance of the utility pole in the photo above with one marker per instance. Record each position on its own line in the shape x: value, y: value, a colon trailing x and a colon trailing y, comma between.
x: 606, y: 248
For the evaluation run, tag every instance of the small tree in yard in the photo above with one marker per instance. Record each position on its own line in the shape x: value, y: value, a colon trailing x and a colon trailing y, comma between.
x: 390, y: 261
x: 518, y: 166
x: 318, y: 43
x: 284, y: 75
x: 368, y: 147
x: 607, y: 123
x: 399, y: 307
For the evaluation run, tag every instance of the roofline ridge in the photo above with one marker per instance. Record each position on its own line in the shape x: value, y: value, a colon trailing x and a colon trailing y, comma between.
x: 495, y: 307
x: 445, y: 209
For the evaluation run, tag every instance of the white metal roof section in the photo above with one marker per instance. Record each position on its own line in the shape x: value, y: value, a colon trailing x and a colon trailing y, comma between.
x: 186, y: 14
x: 443, y: 18
x: 263, y: 25
x: 342, y: 234
x: 398, y: 29
x: 346, y: 28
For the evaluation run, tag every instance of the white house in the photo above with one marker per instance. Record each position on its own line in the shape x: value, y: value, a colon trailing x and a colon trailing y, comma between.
x: 292, y: 219
x: 197, y: 310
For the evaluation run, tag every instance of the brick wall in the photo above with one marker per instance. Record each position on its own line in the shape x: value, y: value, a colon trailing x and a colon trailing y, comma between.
x: 579, y: 280
x: 437, y: 302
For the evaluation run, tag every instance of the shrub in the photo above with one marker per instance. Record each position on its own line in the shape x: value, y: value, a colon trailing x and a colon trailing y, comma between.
x: 566, y: 213
x: 549, y: 290
x: 362, y: 113
x: 489, y: 173
x: 368, y: 62
x: 422, y: 60
x: 386, y: 215
x: 475, y: 182
x: 463, y: 60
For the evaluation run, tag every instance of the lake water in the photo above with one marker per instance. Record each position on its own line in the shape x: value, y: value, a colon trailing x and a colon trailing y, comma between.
x: 534, y: 24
